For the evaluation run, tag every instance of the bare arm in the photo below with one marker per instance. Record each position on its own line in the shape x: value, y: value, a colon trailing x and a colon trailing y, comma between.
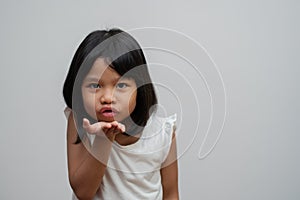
x: 169, y: 174
x: 84, y: 168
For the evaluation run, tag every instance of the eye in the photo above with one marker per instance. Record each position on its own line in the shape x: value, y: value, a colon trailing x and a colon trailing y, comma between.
x: 121, y: 85
x: 94, y: 85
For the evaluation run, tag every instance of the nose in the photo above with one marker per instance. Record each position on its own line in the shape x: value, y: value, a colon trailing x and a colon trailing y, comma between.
x: 106, y: 96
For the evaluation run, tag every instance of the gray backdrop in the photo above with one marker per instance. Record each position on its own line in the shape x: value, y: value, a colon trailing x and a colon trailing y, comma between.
x: 254, y: 45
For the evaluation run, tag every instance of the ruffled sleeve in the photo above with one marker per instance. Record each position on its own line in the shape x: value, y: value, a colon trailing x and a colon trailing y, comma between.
x: 67, y: 112
x: 170, y: 124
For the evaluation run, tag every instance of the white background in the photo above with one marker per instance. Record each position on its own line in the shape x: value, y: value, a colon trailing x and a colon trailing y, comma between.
x: 255, y: 44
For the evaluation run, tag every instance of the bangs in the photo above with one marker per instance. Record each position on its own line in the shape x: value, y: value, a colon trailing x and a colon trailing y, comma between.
x: 125, y: 64
x: 121, y: 52
x: 122, y: 55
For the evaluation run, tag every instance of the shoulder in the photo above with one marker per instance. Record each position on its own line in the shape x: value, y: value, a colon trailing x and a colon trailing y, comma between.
x: 72, y: 131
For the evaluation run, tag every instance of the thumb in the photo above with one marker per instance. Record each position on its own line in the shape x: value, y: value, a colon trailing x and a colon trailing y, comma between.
x: 88, y: 127
x: 85, y: 123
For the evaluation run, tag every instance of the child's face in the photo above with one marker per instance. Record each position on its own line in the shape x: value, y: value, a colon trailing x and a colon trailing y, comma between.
x: 106, y: 95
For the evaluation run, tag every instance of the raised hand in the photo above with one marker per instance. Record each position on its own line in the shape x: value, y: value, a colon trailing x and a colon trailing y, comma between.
x: 108, y: 129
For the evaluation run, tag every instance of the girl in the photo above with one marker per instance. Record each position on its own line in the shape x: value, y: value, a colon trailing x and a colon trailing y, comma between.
x: 117, y: 147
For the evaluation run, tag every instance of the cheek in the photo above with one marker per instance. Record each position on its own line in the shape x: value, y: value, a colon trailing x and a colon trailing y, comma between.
x: 132, y: 102
x: 89, y: 103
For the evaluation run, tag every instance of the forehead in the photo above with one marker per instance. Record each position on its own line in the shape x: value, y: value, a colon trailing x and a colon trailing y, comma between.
x: 102, y: 71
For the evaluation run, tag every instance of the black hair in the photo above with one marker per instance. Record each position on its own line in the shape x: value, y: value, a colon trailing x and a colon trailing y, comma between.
x: 124, y: 54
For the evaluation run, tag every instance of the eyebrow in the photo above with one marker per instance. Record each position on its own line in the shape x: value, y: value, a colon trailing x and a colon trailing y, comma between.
x: 96, y: 79
x: 92, y: 78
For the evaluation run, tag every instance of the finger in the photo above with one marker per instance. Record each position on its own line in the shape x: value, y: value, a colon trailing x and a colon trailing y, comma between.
x: 121, y: 127
x: 114, y: 124
x: 118, y: 129
x: 106, y: 125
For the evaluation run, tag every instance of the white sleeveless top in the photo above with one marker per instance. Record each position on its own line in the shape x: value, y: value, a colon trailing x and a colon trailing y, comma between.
x: 133, y: 171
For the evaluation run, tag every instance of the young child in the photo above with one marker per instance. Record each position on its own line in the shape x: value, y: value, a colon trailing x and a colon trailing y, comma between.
x: 117, y: 146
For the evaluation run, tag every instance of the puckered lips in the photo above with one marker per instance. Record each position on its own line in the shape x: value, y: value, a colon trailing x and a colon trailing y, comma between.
x: 108, y: 112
